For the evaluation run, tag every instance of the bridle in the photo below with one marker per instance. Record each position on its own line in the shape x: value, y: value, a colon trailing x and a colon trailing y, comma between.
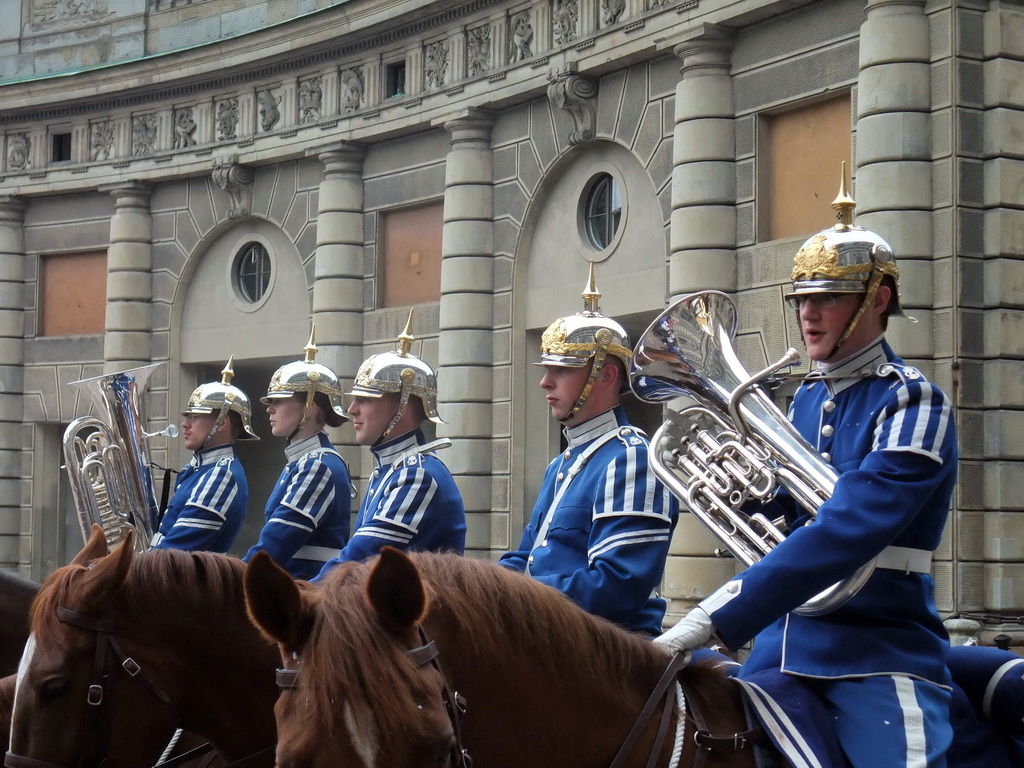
x: 96, y: 729
x: 107, y: 657
x: 454, y: 703
x: 706, y: 741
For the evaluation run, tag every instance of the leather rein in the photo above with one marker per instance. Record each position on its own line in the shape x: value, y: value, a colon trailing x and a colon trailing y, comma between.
x: 454, y: 702
x: 107, y: 657
x: 706, y: 742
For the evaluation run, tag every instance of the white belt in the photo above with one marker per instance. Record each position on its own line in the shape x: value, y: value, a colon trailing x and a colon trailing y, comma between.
x: 905, y: 559
x: 323, y: 554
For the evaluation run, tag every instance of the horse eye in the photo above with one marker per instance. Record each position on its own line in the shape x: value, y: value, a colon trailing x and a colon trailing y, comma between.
x: 54, y: 689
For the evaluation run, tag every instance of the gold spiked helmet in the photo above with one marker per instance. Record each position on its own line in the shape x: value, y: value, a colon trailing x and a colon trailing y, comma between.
x: 221, y: 397
x: 575, y: 340
x: 308, y: 376
x: 399, y: 372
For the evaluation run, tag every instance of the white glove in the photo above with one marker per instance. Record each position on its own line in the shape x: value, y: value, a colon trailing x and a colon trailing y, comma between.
x: 692, y: 631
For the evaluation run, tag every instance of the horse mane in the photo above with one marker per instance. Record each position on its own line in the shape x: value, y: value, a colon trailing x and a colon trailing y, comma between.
x: 492, y: 606
x: 181, y: 578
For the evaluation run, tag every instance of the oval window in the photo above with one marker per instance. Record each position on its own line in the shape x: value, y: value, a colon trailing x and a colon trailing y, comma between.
x: 252, y: 272
x: 603, y: 211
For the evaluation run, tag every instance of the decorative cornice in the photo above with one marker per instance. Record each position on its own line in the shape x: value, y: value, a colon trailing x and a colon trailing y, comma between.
x: 380, y: 35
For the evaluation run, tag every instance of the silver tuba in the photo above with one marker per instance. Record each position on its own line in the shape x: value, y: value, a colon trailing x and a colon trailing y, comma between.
x: 107, y: 459
x: 734, y: 446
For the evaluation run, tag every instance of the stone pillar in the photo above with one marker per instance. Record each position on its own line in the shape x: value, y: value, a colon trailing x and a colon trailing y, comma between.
x: 702, y: 240
x: 338, y: 271
x: 703, y: 224
x: 893, y: 185
x: 998, y: 311
x: 12, y: 359
x: 465, y: 346
x: 129, y: 322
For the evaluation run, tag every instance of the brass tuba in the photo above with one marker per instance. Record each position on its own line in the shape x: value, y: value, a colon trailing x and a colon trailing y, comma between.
x: 734, y: 447
x: 107, y: 459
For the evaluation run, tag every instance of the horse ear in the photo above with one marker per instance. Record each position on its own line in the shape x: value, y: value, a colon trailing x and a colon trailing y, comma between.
x: 396, y: 592
x: 95, y: 547
x: 107, y: 574
x: 275, y: 603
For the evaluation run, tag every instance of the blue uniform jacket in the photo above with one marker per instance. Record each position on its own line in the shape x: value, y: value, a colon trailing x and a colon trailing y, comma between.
x: 209, y: 503
x: 307, y: 515
x: 890, y: 435
x: 608, y: 538
x: 411, y: 503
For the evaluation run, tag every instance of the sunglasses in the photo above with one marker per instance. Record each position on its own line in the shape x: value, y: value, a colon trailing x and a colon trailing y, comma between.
x: 816, y: 300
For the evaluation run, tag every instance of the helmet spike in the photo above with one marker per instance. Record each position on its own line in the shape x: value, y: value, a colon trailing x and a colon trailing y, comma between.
x: 310, y: 348
x: 843, y: 204
x: 405, y: 338
x: 228, y: 373
x: 591, y: 296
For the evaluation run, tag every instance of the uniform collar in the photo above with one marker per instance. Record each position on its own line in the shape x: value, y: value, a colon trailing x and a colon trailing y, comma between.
x: 212, y: 455
x: 297, y: 450
x: 846, y: 372
x: 389, y: 452
x: 593, y: 428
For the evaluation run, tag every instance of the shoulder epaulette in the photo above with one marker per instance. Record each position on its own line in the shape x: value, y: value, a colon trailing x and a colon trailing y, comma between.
x: 904, y: 372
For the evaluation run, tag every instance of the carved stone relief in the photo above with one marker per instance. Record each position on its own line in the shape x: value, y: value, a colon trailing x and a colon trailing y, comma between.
x: 270, y: 115
x: 611, y: 10
x: 227, y: 120
x: 311, y: 97
x: 521, y: 37
x: 19, y: 146
x: 478, y: 50
x: 436, y: 67
x: 48, y: 11
x: 575, y: 94
x: 236, y: 180
x: 184, y: 128
x: 101, y: 141
x: 143, y: 135
x: 563, y: 20
x: 351, y: 89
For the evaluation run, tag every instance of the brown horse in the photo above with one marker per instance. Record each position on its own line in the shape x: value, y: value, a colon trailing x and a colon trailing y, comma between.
x: 180, y: 652
x: 545, y: 683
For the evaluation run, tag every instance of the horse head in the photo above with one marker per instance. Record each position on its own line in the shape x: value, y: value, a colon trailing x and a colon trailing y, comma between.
x: 356, y: 666
x: 69, y: 674
x: 126, y: 648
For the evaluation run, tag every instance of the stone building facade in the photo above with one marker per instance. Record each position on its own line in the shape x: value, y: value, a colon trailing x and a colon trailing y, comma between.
x: 185, y: 180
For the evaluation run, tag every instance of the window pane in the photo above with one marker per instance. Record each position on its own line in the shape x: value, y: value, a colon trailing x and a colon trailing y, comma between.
x: 252, y: 272
x: 603, y: 211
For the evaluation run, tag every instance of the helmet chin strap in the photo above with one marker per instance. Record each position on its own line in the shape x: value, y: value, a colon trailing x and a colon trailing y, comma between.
x: 869, y: 297
x: 306, y: 410
x: 221, y: 418
x: 402, y: 402
x: 595, y: 370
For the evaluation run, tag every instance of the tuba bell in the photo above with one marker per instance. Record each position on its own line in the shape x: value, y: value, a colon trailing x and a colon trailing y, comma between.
x: 734, y: 447
x: 107, y: 459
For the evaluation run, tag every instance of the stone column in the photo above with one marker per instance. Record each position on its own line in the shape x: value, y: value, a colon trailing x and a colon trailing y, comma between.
x: 129, y: 321
x: 465, y: 347
x: 893, y: 185
x: 703, y: 224
x: 703, y: 253
x: 338, y: 270
x: 998, y: 311
x: 12, y: 359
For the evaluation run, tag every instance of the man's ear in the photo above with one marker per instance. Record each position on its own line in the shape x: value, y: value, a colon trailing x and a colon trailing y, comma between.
x: 883, y: 297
